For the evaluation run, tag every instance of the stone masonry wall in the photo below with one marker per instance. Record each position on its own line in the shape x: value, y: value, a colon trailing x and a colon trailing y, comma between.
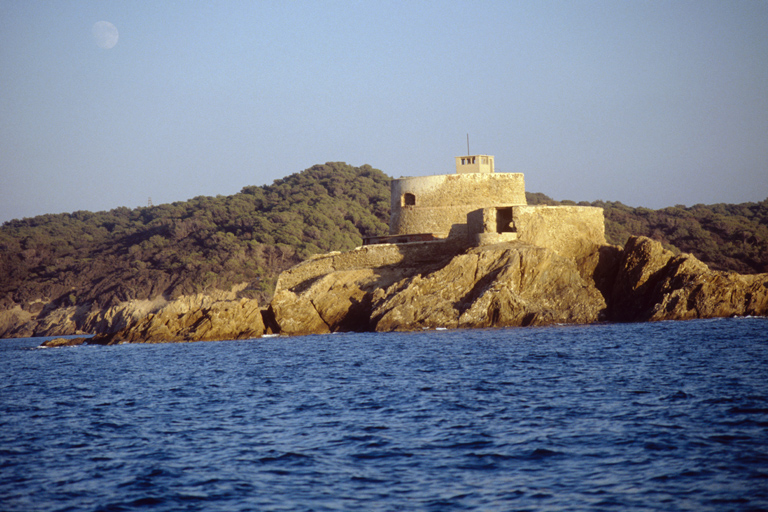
x: 441, y: 203
x: 369, y: 256
x: 568, y: 230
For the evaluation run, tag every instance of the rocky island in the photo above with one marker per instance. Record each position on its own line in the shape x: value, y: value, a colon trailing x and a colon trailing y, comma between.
x: 464, y: 251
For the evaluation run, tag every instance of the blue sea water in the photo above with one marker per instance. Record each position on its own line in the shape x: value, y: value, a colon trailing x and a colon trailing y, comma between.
x: 656, y: 416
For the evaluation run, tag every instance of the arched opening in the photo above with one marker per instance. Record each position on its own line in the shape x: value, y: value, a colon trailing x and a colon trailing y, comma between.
x: 409, y: 199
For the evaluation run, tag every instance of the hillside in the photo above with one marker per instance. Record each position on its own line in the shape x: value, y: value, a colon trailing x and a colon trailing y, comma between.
x: 191, y: 246
x: 206, y: 243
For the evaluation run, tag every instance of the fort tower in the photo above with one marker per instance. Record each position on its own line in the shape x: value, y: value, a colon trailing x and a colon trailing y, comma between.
x: 440, y: 204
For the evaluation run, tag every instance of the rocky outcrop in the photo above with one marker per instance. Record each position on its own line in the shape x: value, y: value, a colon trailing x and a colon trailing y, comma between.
x: 189, y: 318
x: 64, y: 342
x: 333, y: 292
x: 507, y: 284
x: 654, y: 284
x: 52, y: 320
x: 514, y: 284
x: 395, y: 287
x: 199, y: 317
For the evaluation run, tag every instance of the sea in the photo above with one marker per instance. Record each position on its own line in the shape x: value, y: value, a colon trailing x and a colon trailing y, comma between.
x: 661, y: 416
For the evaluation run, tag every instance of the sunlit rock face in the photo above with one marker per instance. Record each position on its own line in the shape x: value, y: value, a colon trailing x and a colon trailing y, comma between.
x: 194, y: 318
x: 515, y: 284
x: 508, y: 284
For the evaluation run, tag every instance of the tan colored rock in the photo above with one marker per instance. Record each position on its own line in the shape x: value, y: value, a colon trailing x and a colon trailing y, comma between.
x: 653, y: 284
x: 42, y: 318
x: 516, y: 284
x: 333, y: 292
x: 63, y: 342
x: 690, y: 290
x: 188, y: 318
x: 500, y: 285
x: 337, y: 301
x: 14, y: 322
x: 508, y: 284
x: 296, y: 315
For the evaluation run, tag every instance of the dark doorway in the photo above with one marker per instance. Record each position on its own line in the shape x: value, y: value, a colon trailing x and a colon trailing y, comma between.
x: 504, y: 220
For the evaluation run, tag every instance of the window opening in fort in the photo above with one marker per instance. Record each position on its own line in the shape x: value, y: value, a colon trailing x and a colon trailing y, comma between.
x: 409, y: 199
x: 504, y: 220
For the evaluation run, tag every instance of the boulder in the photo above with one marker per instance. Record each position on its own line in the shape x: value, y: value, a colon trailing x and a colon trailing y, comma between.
x: 63, y: 342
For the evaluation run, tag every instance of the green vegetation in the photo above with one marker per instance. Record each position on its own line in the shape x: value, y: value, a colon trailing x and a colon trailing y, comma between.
x: 192, y: 246
x: 250, y: 237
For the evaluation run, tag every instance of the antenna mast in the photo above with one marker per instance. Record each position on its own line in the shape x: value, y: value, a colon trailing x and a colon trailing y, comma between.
x: 468, y: 153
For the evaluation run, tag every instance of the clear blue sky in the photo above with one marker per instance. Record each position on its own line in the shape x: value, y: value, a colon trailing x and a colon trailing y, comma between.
x: 651, y: 103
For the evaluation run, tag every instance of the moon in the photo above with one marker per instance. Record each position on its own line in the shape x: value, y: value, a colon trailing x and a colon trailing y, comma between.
x: 105, y: 34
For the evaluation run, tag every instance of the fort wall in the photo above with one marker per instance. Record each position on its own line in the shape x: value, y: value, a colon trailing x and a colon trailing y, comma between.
x: 369, y: 256
x: 566, y: 230
x: 440, y: 204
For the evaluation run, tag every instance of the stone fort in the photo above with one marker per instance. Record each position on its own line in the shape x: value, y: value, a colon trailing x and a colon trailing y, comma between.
x: 479, y: 206
x: 437, y: 216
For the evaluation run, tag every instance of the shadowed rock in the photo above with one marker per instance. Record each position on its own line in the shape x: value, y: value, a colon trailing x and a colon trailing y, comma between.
x: 653, y: 284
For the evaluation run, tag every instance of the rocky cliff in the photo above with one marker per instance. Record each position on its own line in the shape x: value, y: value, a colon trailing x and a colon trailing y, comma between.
x: 513, y: 284
x: 436, y: 285
x: 499, y: 285
x: 653, y: 284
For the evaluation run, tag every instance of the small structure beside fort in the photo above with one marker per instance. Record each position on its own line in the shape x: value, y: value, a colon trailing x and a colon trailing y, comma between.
x: 479, y: 206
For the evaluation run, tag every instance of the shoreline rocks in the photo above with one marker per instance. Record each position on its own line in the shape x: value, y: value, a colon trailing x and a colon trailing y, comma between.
x: 429, y: 285
x: 64, y: 342
x: 189, y: 318
x: 652, y: 284
x: 515, y: 284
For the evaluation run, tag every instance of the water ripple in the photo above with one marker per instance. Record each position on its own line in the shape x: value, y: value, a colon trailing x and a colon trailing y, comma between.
x: 665, y: 416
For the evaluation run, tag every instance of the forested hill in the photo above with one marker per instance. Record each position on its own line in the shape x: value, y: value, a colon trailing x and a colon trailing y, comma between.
x: 250, y: 237
x: 192, y: 246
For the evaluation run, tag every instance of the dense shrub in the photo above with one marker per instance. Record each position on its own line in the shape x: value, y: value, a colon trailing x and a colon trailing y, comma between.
x: 193, y: 245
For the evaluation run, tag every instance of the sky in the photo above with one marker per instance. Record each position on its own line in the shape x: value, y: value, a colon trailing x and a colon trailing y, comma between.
x: 651, y: 103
